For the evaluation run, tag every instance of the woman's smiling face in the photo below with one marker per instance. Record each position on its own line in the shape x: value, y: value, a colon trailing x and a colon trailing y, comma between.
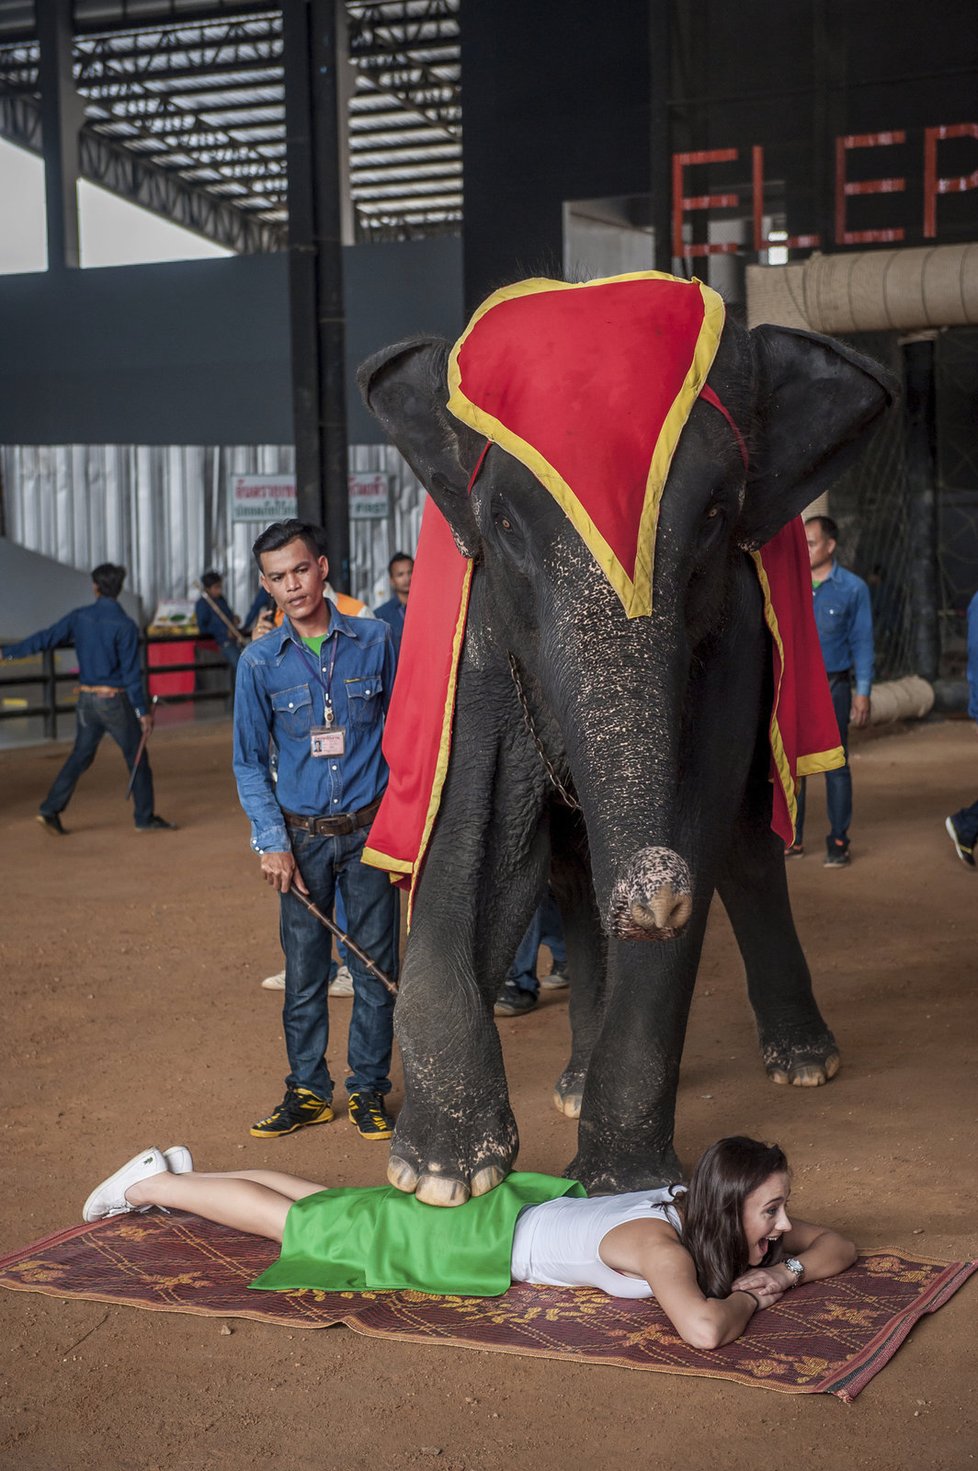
x: 765, y: 1216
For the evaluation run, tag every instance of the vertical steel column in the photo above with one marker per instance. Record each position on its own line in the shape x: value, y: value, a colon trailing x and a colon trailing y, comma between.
x: 921, y: 466
x: 660, y: 139
x: 314, y: 133
x: 62, y: 112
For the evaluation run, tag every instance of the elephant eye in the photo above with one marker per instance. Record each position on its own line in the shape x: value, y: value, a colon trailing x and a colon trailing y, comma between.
x: 713, y: 512
x: 504, y: 523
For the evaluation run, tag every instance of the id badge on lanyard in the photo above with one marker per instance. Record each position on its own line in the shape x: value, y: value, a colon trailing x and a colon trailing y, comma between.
x: 328, y: 739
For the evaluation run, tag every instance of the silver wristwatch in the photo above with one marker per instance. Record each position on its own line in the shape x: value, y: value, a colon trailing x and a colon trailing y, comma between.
x: 795, y: 1267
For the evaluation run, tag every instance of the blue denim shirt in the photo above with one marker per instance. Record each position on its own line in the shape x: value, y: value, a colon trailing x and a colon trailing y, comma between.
x: 844, y: 620
x: 278, y: 698
x: 107, y: 644
x: 393, y: 614
x: 973, y: 658
x: 208, y: 622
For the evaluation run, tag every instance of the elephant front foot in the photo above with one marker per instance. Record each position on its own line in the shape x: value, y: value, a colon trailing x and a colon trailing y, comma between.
x: 445, y: 1155
x: 802, y: 1064
x: 569, y: 1093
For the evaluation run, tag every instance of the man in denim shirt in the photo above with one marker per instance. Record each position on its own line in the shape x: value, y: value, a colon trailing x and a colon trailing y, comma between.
x: 318, y: 688
x: 844, y: 621
x: 111, y: 697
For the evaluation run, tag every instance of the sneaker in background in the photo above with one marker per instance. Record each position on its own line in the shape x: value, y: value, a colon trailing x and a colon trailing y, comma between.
x: 51, y: 823
x: 837, y: 854
x: 369, y: 1117
x: 966, y: 854
x: 299, y: 1107
x: 342, y: 982
x: 556, y: 981
x: 514, y: 1001
x: 275, y: 982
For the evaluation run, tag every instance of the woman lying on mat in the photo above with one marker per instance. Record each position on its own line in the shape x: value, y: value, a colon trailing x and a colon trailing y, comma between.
x: 712, y: 1256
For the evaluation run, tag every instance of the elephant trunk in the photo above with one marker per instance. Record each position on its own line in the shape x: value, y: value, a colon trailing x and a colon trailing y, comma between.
x: 620, y: 712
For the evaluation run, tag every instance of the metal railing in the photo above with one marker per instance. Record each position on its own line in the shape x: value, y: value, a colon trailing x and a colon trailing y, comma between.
x: 50, y: 679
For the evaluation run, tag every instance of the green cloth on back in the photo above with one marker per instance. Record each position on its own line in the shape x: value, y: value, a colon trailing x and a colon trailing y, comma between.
x: 379, y: 1238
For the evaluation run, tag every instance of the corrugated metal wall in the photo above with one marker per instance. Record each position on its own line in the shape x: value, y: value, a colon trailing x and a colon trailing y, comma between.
x: 164, y: 513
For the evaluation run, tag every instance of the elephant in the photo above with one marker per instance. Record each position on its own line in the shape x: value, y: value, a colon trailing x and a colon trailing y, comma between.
x: 624, y: 759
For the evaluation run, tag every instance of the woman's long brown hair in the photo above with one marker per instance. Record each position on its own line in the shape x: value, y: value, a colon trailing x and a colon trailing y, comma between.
x: 713, y: 1231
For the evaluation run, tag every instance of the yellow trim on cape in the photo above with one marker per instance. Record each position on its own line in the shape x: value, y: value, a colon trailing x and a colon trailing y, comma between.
x: 819, y: 761
x: 781, y: 763
x: 375, y: 859
x: 634, y: 591
x: 402, y: 866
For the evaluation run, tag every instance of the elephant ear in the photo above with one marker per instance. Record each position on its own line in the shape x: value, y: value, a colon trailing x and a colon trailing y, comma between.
x: 406, y: 388
x: 814, y: 401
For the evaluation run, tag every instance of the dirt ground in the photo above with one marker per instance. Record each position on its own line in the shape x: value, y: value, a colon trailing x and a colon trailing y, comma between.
x: 133, y: 1015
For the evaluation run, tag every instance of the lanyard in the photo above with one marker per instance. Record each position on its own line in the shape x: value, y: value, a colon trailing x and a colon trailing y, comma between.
x: 326, y: 683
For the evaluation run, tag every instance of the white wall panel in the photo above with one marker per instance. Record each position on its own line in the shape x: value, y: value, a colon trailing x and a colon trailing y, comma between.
x: 163, y: 512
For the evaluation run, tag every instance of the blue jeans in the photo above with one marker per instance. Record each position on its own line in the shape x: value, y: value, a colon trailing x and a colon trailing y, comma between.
x: 96, y: 716
x: 339, y: 916
x: 372, y: 907
x: 545, y: 929
x: 838, y: 784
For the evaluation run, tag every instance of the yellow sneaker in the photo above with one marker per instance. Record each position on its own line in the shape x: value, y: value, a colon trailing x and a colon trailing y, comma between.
x: 369, y: 1117
x: 299, y: 1107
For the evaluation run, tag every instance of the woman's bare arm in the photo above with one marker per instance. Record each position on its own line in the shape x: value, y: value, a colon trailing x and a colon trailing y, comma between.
x: 821, y: 1251
x: 651, y: 1249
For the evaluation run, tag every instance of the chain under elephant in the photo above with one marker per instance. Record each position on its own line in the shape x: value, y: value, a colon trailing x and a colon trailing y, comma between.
x: 609, y: 681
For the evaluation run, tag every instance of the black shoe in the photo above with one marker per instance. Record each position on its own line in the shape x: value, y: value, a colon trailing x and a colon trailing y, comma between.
x: 837, y: 855
x: 299, y: 1107
x: 514, y: 1001
x: 369, y: 1117
x: 156, y: 825
x: 51, y: 823
x: 965, y: 853
x: 794, y: 850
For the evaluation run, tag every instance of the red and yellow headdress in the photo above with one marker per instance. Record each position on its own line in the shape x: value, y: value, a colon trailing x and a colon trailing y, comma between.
x: 590, y: 386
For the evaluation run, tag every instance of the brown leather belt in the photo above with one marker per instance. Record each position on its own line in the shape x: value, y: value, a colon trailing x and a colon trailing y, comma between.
x: 339, y: 826
x: 98, y: 689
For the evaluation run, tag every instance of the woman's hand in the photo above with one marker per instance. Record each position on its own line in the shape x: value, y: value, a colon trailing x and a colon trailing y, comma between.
x: 767, y: 1283
x: 765, y: 1279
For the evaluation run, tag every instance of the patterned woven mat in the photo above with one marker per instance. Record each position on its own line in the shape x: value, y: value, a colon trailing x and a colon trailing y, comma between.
x: 825, y: 1338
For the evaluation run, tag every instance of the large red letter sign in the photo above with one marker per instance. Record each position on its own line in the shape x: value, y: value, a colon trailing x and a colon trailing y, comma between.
x: 681, y: 203
x: 868, y: 186
x: 932, y: 184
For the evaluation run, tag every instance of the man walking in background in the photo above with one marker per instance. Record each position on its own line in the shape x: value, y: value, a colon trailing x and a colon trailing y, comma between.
x: 318, y: 688
x: 394, y: 611
x: 111, y: 696
x: 845, y: 631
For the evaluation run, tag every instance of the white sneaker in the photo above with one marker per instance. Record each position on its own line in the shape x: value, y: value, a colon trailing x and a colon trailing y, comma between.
x: 109, y: 1198
x: 556, y: 981
x: 179, y: 1160
x: 342, y: 982
x: 275, y: 982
